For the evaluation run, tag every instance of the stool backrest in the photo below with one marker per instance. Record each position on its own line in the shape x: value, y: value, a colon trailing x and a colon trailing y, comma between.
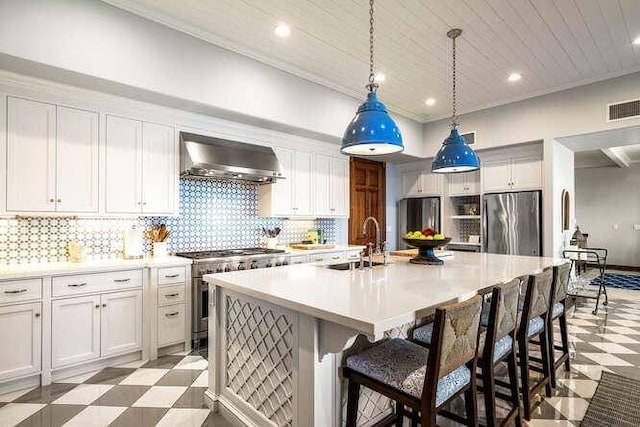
x: 507, y: 307
x: 538, y: 296
x: 455, y: 336
x: 561, y: 275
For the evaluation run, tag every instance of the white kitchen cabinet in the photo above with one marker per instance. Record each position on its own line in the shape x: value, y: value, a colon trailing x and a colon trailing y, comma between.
x: 465, y: 183
x: 52, y: 158
x: 159, y: 173
x: 20, y: 332
x: 331, y: 186
x: 77, y: 161
x: 291, y: 196
x: 141, y: 174
x: 171, y: 324
x: 513, y: 174
x: 123, y: 165
x: 75, y: 330
x: 31, y: 159
x: 421, y: 184
x: 121, y: 322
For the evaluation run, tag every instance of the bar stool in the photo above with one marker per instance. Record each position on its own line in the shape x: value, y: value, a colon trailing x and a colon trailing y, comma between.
x: 422, y: 380
x: 496, y: 345
x: 558, y: 311
x: 533, y: 325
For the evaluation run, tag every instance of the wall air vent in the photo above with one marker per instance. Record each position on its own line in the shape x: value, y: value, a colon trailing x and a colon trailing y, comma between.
x: 623, y: 110
x: 470, y: 137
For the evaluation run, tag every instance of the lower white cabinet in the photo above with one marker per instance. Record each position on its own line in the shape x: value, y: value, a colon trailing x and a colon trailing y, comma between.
x: 121, y: 322
x: 171, y: 324
x: 20, y: 331
x: 87, y: 328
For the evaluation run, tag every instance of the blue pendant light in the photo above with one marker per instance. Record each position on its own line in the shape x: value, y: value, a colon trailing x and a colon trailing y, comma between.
x: 372, y: 132
x: 455, y: 155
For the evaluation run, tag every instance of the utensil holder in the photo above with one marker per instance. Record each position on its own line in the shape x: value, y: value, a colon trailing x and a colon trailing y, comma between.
x: 160, y: 250
x: 272, y: 242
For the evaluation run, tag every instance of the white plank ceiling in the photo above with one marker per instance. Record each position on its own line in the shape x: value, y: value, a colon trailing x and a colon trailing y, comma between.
x: 555, y: 44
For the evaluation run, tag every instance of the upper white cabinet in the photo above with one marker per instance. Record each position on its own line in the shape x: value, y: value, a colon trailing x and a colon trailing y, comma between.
x: 141, y: 174
x: 419, y: 184
x: 513, y: 174
x: 20, y: 333
x: 52, y: 158
x: 331, y: 186
x: 465, y: 183
x: 291, y: 196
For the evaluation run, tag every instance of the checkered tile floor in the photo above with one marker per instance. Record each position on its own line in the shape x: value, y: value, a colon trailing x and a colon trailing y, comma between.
x: 170, y: 391
x: 165, y: 392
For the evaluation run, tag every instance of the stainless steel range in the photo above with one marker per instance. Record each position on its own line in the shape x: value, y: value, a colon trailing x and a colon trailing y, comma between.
x: 221, y: 261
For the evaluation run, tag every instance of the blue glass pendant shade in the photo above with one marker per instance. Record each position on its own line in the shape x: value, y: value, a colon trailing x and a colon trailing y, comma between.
x: 372, y: 132
x: 455, y: 155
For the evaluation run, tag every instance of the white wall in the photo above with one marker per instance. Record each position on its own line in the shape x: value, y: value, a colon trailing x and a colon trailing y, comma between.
x: 606, y: 197
x: 70, y: 40
x: 570, y: 112
x: 558, y: 176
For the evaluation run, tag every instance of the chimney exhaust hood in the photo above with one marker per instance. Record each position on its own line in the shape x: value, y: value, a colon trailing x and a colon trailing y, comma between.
x: 209, y: 157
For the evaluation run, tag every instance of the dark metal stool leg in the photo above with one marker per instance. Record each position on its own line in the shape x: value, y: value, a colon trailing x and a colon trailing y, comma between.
x: 353, y: 395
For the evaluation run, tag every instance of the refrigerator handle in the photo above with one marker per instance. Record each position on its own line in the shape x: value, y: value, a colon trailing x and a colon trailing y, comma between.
x: 485, y: 227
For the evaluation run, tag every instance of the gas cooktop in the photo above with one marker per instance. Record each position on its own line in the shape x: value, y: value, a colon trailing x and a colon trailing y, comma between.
x: 225, y: 253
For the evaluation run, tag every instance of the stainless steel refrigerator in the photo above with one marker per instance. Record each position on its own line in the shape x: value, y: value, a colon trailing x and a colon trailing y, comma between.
x: 417, y: 214
x: 512, y: 223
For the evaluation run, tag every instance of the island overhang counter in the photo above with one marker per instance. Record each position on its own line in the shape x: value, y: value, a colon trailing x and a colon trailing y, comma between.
x: 277, y: 337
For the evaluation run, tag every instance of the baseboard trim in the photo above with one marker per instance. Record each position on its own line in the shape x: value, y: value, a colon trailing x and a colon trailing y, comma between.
x: 227, y: 409
x: 16, y: 384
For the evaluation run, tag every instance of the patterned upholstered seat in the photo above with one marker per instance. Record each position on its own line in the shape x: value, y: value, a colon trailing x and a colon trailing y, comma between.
x: 402, y: 364
x: 535, y: 325
x: 501, y: 347
x: 557, y: 310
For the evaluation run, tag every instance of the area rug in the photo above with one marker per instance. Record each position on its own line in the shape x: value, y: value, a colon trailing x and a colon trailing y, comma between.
x: 616, y: 402
x: 623, y: 281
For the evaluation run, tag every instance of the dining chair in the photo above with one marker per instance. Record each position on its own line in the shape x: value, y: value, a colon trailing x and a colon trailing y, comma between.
x: 532, y: 330
x: 422, y: 381
x: 559, y: 311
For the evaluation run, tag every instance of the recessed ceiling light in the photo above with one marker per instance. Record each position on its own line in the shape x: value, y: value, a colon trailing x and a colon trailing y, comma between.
x: 283, y: 30
x: 514, y: 77
x: 430, y: 101
x: 379, y: 77
x: 637, y: 41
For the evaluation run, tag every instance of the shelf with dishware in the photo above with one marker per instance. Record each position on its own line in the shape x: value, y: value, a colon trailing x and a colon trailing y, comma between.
x: 463, y: 221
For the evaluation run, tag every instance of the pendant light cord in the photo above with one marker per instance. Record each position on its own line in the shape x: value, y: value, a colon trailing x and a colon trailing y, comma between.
x: 372, y: 85
x: 454, y: 117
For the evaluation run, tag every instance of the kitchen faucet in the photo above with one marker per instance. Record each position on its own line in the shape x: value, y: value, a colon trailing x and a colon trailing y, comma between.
x: 379, y: 247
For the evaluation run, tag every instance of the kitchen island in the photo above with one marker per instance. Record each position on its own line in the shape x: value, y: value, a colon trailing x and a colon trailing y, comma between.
x: 277, y: 336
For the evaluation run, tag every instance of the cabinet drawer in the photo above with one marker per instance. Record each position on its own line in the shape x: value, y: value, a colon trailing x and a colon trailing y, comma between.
x: 171, y: 275
x: 327, y: 258
x: 171, y: 324
x: 20, y: 290
x: 79, y: 284
x: 170, y: 294
x: 353, y: 255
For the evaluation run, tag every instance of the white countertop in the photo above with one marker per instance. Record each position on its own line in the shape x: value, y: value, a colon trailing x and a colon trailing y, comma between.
x: 378, y: 299
x: 337, y: 248
x: 62, y: 268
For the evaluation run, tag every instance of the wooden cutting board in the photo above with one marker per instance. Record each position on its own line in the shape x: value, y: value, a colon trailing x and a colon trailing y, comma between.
x: 310, y: 246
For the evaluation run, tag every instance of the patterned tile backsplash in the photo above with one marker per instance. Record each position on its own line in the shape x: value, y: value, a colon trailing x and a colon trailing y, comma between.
x: 213, y: 215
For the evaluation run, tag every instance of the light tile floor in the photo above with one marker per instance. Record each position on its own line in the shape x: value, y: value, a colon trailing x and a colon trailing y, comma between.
x: 170, y: 391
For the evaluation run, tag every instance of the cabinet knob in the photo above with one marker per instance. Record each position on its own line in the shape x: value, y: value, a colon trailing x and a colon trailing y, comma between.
x: 37, y: 314
x: 144, y: 203
x: 59, y: 200
x: 104, y: 305
x: 51, y: 200
x: 97, y: 305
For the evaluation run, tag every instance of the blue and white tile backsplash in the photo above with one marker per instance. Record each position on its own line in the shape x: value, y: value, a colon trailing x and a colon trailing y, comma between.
x: 213, y: 215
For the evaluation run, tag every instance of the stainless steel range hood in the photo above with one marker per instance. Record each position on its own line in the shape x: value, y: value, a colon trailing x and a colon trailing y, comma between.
x: 210, y: 157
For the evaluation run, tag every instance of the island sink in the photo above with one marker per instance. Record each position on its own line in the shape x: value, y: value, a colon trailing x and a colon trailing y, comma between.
x: 347, y: 265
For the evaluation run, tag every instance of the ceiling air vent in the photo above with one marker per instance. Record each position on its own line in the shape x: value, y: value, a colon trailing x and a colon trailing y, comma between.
x: 470, y: 137
x: 623, y: 110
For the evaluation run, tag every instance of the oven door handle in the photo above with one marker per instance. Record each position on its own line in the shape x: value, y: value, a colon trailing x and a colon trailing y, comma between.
x: 212, y: 297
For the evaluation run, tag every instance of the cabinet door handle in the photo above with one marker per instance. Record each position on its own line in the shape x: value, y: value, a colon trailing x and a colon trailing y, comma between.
x: 171, y: 276
x: 319, y: 259
x: 121, y: 280
x: 37, y: 314
x: 174, y: 314
x: 104, y: 305
x: 16, y: 291
x: 97, y: 305
x: 77, y: 285
x: 59, y: 200
x: 172, y: 295
x: 335, y: 257
x: 51, y: 200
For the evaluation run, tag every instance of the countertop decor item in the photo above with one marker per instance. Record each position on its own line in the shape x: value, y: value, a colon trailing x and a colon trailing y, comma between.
x: 158, y: 236
x: 372, y: 131
x: 455, y: 155
x: 425, y: 250
x: 77, y: 252
x: 133, y: 243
